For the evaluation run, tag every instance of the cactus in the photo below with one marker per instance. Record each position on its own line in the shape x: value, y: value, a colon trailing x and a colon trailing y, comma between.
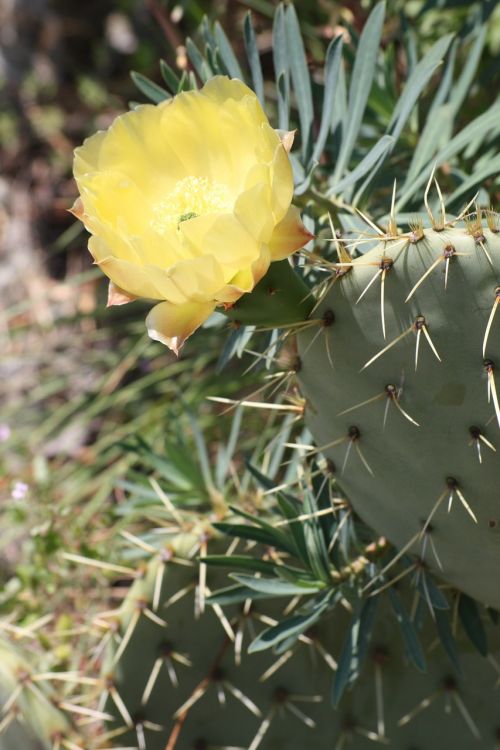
x: 29, y: 698
x: 401, y: 394
x: 188, y: 682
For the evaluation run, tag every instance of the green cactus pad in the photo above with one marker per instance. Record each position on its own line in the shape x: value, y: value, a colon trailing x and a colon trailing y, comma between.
x: 188, y: 685
x: 411, y: 420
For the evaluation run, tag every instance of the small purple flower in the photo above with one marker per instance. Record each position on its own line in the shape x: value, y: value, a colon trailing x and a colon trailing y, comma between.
x: 19, y: 491
x: 5, y: 432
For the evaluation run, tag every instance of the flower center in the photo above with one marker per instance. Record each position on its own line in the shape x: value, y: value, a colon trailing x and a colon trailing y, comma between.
x: 191, y: 197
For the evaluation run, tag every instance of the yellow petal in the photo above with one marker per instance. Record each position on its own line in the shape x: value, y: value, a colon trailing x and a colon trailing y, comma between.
x: 245, y: 280
x: 87, y: 155
x: 289, y: 235
x: 222, y: 88
x: 173, y: 324
x: 223, y: 237
x: 198, y: 279
x: 253, y: 209
x: 282, y: 182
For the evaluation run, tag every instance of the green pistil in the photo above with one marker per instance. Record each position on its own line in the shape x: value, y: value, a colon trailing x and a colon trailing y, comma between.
x: 186, y: 217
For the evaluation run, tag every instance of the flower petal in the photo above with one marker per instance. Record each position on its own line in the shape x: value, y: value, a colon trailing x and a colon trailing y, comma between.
x: 173, y: 324
x: 252, y: 208
x: 282, y: 182
x: 87, y: 155
x: 289, y: 235
x: 223, y: 237
x: 117, y: 296
x: 287, y: 138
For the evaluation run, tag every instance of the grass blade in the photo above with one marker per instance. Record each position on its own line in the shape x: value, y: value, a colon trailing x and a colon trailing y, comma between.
x: 281, y: 68
x: 301, y: 79
x: 253, y: 57
x: 416, y: 83
x: 332, y: 70
x: 150, y: 89
x: 226, y: 53
x: 361, y: 83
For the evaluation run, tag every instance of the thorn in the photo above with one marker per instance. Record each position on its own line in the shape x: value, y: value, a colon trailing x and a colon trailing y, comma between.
x: 393, y: 226
x: 426, y: 196
x: 362, y: 403
x: 441, y: 226
x: 100, y: 564
x: 417, y: 231
x: 370, y: 223
x: 429, y: 341
x: 424, y: 276
x: 393, y: 561
x: 382, y: 298
x: 394, y: 396
x: 389, y: 346
x: 478, y: 438
x: 492, y: 390
x: 425, y: 703
x: 491, y: 318
x: 466, y: 209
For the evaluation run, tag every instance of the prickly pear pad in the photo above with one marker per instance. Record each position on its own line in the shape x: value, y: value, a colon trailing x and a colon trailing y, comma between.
x: 404, y: 399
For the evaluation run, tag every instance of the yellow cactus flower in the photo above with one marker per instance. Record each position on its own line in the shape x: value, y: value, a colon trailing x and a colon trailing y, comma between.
x: 188, y: 202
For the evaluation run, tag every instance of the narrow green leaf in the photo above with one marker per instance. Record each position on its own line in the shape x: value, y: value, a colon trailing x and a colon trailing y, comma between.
x: 332, y: 69
x: 275, y: 586
x: 339, y: 115
x: 150, y: 89
x: 200, y: 65
x: 437, y: 124
x: 240, y: 562
x: 410, y: 637
x: 361, y: 83
x: 365, y: 630
x: 290, y: 511
x: 462, y: 87
x: 256, y: 534
x: 466, y: 188
x: 446, y: 637
x: 206, y: 32
x: 253, y: 57
x: 374, y: 156
x: 266, y: 482
x: 315, y: 542
x: 169, y: 76
x: 168, y: 469
x: 226, y: 53
x: 446, y: 82
x: 281, y: 68
x: 233, y: 595
x: 202, y: 451
x: 416, y: 84
x: 344, y: 665
x: 468, y: 612
x: 294, y: 625
x: 432, y: 593
x: 184, y: 84
x: 214, y: 62
x: 410, y: 38
x: 480, y: 128
x: 301, y: 80
x: 226, y: 455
